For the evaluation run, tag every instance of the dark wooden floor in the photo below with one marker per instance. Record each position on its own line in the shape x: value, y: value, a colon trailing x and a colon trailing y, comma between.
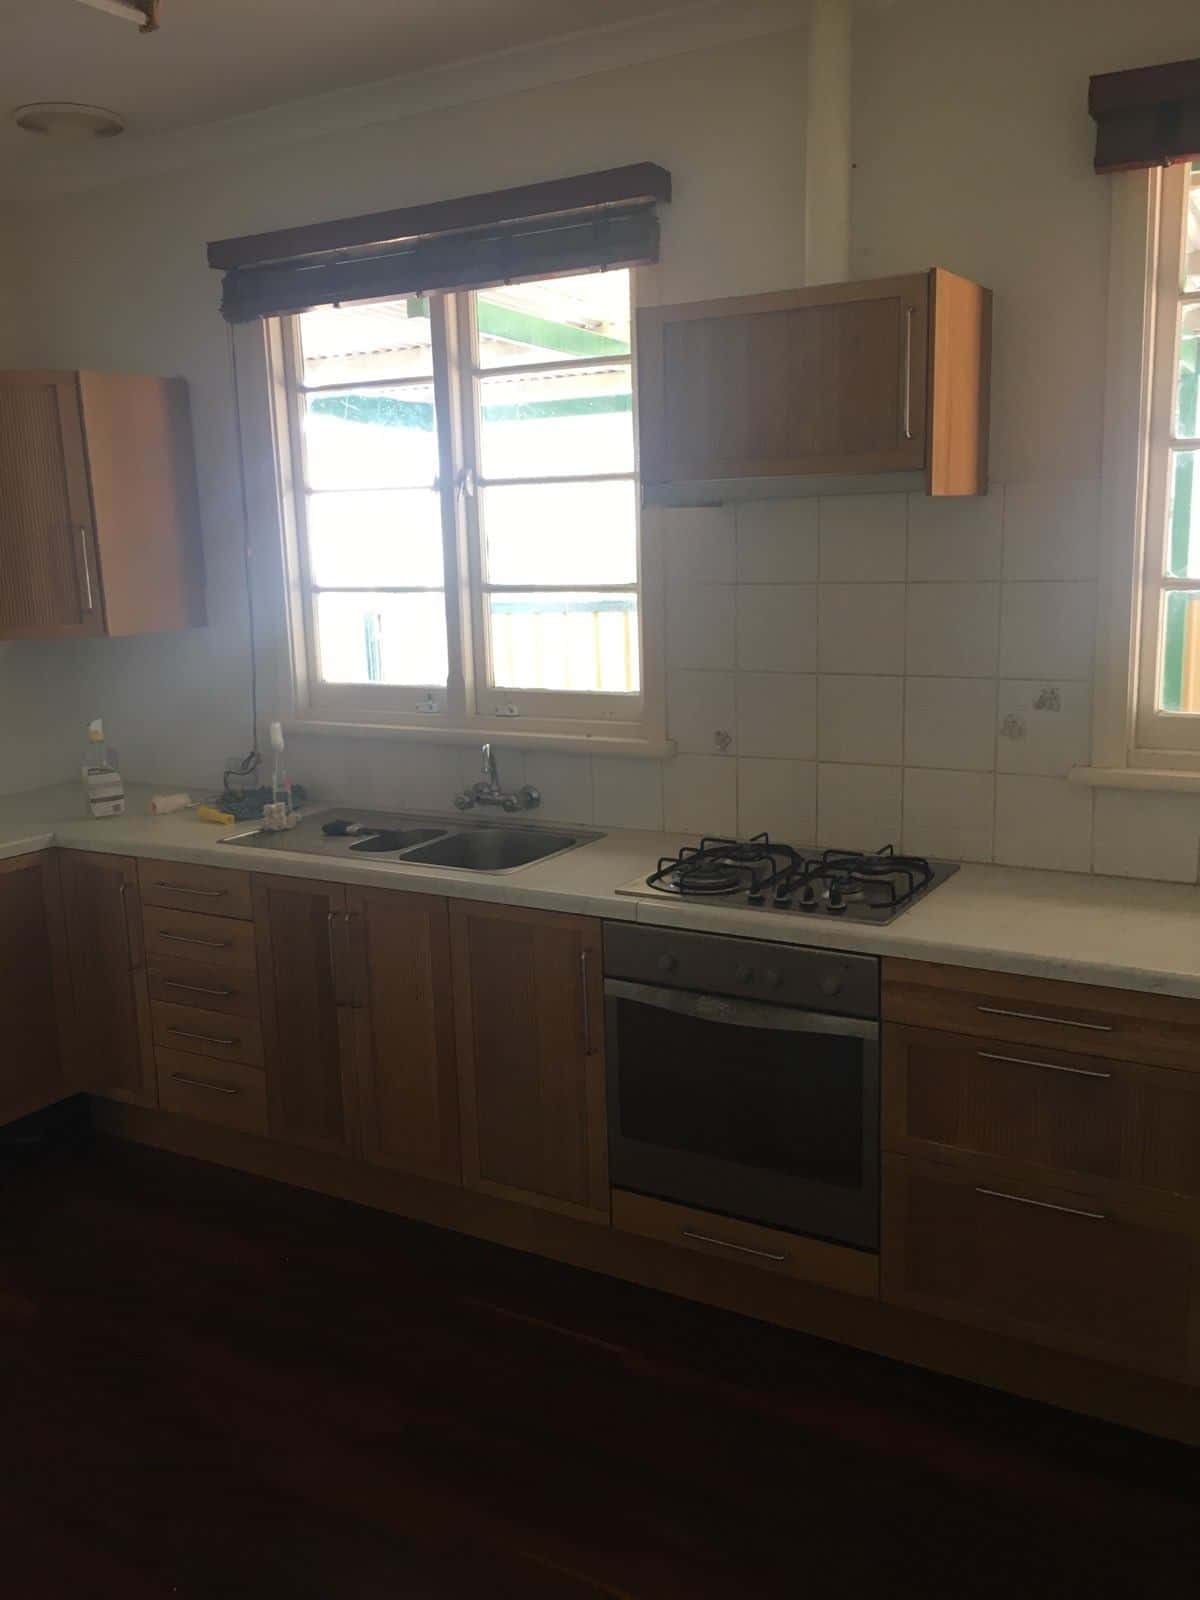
x: 213, y: 1386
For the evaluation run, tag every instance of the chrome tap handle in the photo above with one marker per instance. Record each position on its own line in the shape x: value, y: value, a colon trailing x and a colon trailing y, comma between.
x: 490, y: 774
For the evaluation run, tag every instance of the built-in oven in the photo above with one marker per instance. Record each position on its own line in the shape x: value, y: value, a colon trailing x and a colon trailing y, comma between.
x: 743, y: 1078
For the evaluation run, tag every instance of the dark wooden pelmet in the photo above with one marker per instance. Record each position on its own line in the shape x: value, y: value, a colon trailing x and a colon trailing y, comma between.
x: 594, y: 221
x: 1147, y: 117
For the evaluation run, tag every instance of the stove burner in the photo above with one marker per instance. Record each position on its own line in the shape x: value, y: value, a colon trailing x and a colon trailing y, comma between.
x: 703, y: 877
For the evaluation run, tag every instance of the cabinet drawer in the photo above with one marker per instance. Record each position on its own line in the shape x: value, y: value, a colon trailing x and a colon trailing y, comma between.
x: 232, y: 1094
x: 193, y: 936
x: 207, y: 1033
x: 747, y: 1243
x: 181, y: 886
x: 1116, y: 1023
x: 194, y: 983
x: 1041, y: 1264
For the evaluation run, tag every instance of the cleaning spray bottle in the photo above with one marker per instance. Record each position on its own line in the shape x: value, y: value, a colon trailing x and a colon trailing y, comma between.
x: 104, y: 793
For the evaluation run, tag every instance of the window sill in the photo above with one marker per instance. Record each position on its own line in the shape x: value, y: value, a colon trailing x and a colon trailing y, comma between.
x: 566, y: 743
x: 1145, y: 778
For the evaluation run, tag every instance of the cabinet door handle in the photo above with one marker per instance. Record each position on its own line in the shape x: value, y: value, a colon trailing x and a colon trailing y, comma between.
x: 742, y: 1249
x: 203, y: 1083
x: 183, y: 938
x: 186, y: 888
x: 203, y: 1038
x: 1046, y: 1066
x: 1044, y: 1205
x: 1036, y: 1016
x: 89, y: 603
x: 586, y: 1009
x: 908, y: 326
x: 124, y: 892
x: 198, y: 988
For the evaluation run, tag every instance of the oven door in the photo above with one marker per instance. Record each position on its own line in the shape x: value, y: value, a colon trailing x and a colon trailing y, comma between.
x: 753, y: 1111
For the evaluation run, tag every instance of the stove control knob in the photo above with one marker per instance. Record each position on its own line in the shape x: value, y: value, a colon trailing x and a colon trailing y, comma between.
x: 808, y: 897
x: 744, y: 974
x: 835, y: 900
x: 831, y: 984
x: 773, y: 978
x: 667, y: 963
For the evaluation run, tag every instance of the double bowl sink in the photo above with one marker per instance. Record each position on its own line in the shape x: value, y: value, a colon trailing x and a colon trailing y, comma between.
x: 414, y: 839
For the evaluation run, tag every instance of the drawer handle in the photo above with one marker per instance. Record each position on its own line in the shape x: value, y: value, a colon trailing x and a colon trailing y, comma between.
x: 203, y: 1083
x: 186, y: 888
x: 197, y: 988
x: 742, y: 1249
x: 208, y: 944
x: 1034, y: 1016
x: 1044, y: 1205
x: 204, y: 1038
x: 1046, y: 1066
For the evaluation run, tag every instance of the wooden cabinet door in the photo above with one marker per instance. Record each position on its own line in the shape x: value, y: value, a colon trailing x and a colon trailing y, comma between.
x: 1090, y: 1272
x: 35, y: 986
x: 110, y: 1049
x: 828, y: 380
x: 404, y: 1031
x: 529, y: 1027
x: 307, y: 1019
x: 49, y: 576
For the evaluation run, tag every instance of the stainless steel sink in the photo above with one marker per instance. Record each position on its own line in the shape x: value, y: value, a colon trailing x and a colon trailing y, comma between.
x: 492, y: 849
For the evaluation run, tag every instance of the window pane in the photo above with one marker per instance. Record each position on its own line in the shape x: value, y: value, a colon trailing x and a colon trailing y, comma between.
x: 345, y: 344
x: 583, y: 642
x: 375, y: 438
x: 1183, y: 516
x: 382, y: 638
x: 1191, y: 249
x: 1188, y: 376
x: 554, y: 424
x: 391, y: 538
x: 561, y: 533
x: 561, y: 317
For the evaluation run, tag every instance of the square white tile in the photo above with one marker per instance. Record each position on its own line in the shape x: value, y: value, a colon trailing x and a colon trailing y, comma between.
x: 777, y: 627
x: 1043, y: 727
x: 1052, y: 528
x: 699, y: 543
x: 950, y: 723
x: 953, y: 629
x: 949, y: 814
x: 777, y: 541
x: 701, y: 713
x: 858, y: 808
x: 627, y: 792
x: 1141, y: 835
x: 955, y: 538
x: 701, y: 626
x: 1043, y: 822
x: 700, y: 794
x: 860, y: 719
x: 862, y: 628
x: 1047, y: 630
x: 864, y: 538
x: 564, y: 781
x: 779, y: 798
x: 777, y: 714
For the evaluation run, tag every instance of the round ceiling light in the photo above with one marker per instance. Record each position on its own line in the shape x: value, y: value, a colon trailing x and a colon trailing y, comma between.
x: 64, y: 119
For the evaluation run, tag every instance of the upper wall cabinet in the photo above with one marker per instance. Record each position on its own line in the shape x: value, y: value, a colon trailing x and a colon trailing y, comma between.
x: 98, y: 522
x: 821, y: 386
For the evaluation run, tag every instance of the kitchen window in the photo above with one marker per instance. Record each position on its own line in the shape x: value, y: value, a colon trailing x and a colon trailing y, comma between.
x: 464, y: 491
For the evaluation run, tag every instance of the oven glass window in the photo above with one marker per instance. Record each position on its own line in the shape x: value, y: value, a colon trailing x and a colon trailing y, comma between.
x: 785, y: 1102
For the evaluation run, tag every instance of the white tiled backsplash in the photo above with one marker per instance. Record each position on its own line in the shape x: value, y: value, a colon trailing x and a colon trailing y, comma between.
x: 857, y: 670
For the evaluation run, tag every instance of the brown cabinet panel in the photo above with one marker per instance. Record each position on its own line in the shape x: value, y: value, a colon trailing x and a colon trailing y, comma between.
x: 196, y: 1031
x: 185, y: 886
x: 191, y: 983
x: 1042, y: 1264
x: 404, y: 1031
x: 218, y: 942
x: 227, y: 1093
x: 34, y: 984
x: 110, y: 1049
x: 307, y: 1019
x: 529, y: 1026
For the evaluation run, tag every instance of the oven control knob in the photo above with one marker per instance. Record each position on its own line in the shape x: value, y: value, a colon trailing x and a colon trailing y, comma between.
x: 667, y: 963
x: 831, y: 984
x: 744, y: 974
x: 773, y: 978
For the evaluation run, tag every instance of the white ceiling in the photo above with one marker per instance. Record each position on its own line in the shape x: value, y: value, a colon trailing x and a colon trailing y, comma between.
x: 218, y: 58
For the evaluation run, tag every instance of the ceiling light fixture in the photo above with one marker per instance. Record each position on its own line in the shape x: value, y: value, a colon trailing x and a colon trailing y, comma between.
x: 143, y: 12
x: 64, y: 119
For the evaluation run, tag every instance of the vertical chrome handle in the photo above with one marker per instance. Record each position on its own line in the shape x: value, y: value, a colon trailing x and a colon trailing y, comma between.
x: 125, y: 923
x: 586, y: 1009
x: 333, y: 961
x: 89, y: 602
x: 908, y: 325
x: 356, y: 1003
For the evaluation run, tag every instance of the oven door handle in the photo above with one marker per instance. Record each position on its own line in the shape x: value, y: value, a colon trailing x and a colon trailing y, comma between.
x: 740, y: 1013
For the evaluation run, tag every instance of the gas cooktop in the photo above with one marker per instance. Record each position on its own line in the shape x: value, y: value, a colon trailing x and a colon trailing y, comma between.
x: 859, y: 886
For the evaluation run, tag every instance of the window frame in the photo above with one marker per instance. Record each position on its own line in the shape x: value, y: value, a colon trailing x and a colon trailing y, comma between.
x: 467, y: 707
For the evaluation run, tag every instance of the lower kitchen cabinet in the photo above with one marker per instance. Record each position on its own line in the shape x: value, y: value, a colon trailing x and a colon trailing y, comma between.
x: 109, y: 1048
x: 307, y: 1015
x: 1094, y: 1272
x: 529, y: 1025
x: 404, y: 1031
x: 34, y: 988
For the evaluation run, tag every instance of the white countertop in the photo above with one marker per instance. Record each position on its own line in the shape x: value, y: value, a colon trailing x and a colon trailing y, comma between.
x: 1116, y: 932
